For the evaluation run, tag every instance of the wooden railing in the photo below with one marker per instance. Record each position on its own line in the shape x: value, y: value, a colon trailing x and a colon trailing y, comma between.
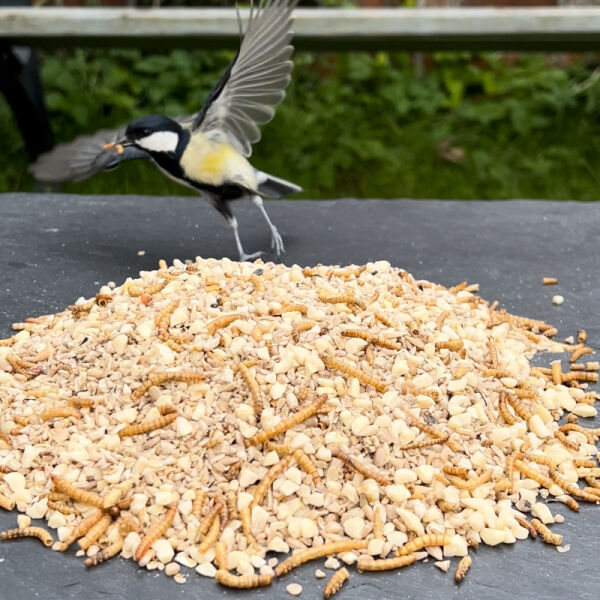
x: 539, y: 29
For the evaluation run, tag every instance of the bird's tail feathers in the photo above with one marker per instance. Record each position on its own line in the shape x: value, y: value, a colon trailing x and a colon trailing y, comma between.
x: 270, y: 186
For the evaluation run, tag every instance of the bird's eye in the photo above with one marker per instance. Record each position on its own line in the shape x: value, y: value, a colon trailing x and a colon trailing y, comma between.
x: 146, y: 132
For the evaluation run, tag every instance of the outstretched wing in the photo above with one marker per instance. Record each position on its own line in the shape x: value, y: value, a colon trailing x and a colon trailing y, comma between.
x: 83, y: 157
x: 255, y: 81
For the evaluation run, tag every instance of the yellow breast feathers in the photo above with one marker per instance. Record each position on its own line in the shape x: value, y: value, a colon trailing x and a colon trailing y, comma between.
x: 216, y: 162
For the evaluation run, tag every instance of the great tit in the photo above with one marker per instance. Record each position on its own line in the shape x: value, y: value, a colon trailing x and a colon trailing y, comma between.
x: 207, y: 151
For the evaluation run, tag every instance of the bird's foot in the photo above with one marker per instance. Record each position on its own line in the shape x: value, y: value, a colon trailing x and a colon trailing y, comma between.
x: 250, y: 257
x: 276, y: 241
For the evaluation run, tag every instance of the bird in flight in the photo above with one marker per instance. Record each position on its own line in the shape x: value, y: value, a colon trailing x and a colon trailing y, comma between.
x: 209, y: 150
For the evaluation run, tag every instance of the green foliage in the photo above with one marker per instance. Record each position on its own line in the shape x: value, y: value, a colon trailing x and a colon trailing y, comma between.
x: 361, y: 125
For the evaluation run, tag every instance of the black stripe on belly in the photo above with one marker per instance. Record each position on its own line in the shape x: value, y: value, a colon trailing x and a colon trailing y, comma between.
x: 225, y: 192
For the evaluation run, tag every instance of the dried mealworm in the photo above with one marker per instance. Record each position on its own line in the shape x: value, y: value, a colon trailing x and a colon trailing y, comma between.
x: 307, y: 464
x: 211, y: 537
x: 383, y: 320
x: 547, y: 535
x: 106, y: 554
x: 220, y: 555
x: 549, y: 280
x: 562, y: 438
x: 449, y: 345
x: 213, y: 326
x: 503, y: 485
x: 457, y: 288
x: 541, y: 460
x: 95, y: 532
x: 496, y: 373
x: 571, y: 418
x: 141, y: 428
x: 285, y: 424
x: 112, y: 497
x: 272, y: 474
x: 198, y: 503
x: 79, y: 495
x: 447, y: 507
x: 353, y: 371
x: 368, y: 472
x: 232, y: 506
x: 336, y: 582
x: 63, y: 508
x: 22, y: 532
x: 579, y: 376
x: 570, y: 502
x: 592, y: 491
x: 493, y: 354
x: 519, y: 407
x: 257, y: 282
x: 524, y: 394
x: 6, y: 503
x: 579, y: 352
x: 277, y: 312
x: 226, y: 579
x: 368, y: 563
x: 429, y: 539
x: 155, y: 532
x: 308, y: 554
x: 593, y: 482
x: 454, y: 470
x: 301, y: 326
x: 571, y: 488
x: 523, y: 522
x: 22, y: 366
x: 77, y: 402
x: 59, y: 412
x: 372, y: 339
x: 471, y: 484
x: 246, y: 519
x: 281, y: 449
x: 504, y: 412
x: 426, y: 443
x: 534, y: 474
x: 462, y: 568
x: 441, y: 318
x: 137, y: 290
x: 556, y: 372
x: 207, y: 521
x: 347, y: 298
x: 591, y: 438
x: 160, y: 378
x: 81, y: 529
x: 585, y: 463
x: 257, y: 400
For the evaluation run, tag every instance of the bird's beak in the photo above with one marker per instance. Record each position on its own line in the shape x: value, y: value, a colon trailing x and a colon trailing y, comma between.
x: 118, y: 146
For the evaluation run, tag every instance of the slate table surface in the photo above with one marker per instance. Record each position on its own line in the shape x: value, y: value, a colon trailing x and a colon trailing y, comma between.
x: 55, y: 248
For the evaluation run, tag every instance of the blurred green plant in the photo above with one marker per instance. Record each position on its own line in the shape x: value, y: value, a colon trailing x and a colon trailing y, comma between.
x: 359, y: 125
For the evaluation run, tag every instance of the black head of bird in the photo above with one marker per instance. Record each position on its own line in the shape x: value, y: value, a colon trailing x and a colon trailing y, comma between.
x: 155, y: 134
x: 209, y: 150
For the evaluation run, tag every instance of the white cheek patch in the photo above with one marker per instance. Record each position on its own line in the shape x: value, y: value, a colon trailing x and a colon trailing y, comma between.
x: 160, y: 141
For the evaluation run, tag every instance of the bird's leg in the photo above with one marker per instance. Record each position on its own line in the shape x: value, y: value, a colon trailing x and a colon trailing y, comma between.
x: 232, y: 221
x: 276, y: 240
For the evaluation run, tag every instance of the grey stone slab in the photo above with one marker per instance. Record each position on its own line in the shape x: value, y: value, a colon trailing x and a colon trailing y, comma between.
x: 56, y: 248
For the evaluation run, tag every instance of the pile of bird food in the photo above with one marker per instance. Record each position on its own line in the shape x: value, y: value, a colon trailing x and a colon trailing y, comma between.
x: 219, y: 415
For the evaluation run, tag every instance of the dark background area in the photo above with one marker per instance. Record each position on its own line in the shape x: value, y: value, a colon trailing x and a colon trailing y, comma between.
x: 442, y: 125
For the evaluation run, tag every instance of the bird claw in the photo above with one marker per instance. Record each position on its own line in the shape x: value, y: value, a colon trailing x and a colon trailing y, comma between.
x: 276, y: 241
x: 250, y: 257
